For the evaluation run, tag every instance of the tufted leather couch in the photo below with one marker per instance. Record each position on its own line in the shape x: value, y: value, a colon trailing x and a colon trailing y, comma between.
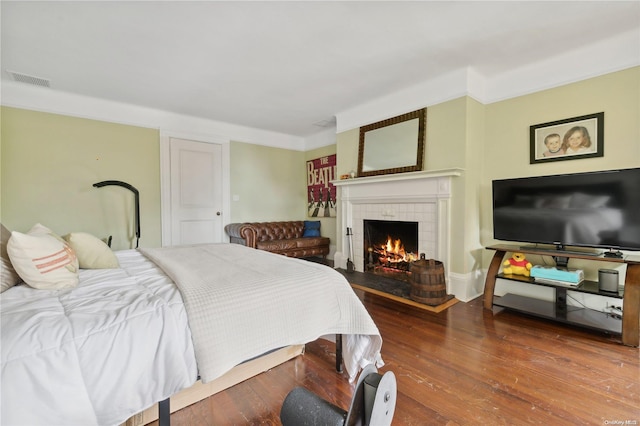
x: 278, y: 237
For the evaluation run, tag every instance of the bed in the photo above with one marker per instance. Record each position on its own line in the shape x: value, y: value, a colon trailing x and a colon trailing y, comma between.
x: 125, y: 338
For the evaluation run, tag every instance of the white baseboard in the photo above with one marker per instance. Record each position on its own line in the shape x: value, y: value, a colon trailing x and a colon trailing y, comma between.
x: 466, y: 287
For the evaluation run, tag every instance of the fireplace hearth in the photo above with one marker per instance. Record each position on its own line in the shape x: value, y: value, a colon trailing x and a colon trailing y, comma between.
x: 390, y: 247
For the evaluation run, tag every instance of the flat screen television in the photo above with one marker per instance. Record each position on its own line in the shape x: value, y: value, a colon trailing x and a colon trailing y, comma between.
x: 595, y: 210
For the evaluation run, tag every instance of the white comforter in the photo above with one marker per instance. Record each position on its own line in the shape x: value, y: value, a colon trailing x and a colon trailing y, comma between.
x: 120, y: 342
x: 97, y: 354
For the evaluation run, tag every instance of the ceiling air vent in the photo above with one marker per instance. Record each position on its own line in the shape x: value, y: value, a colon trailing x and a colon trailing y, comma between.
x: 29, y: 79
x: 331, y: 122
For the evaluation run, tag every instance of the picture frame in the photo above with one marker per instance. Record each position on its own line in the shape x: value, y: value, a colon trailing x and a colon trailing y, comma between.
x: 569, y: 139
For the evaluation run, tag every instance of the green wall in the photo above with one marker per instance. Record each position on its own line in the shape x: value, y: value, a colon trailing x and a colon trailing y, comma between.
x: 50, y: 162
x: 507, y: 130
x: 507, y: 134
x: 267, y: 184
x: 492, y: 141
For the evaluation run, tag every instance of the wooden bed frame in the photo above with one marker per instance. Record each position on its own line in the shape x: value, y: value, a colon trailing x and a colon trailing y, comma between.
x: 239, y: 373
x: 200, y: 391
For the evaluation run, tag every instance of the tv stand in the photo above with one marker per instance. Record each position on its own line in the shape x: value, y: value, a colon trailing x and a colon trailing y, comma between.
x: 561, y: 261
x: 613, y: 254
x: 558, y: 251
x: 558, y: 310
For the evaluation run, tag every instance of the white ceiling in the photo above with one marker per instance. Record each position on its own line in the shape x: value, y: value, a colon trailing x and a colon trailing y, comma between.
x: 283, y: 66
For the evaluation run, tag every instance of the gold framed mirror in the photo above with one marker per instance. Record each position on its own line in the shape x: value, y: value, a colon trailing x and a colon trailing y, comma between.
x: 395, y: 145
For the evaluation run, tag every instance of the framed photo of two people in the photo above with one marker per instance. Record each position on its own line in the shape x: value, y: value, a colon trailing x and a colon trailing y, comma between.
x: 569, y: 139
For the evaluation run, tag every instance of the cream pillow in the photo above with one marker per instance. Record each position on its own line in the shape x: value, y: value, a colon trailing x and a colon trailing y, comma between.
x: 8, y: 276
x: 92, y: 252
x: 42, y: 259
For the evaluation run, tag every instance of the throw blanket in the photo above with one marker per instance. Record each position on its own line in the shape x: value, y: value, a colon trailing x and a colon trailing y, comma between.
x: 243, y: 302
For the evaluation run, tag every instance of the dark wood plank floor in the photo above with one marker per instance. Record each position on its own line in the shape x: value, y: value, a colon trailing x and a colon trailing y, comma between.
x: 463, y: 366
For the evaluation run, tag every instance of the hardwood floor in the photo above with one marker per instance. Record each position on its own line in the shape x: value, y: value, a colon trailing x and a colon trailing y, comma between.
x: 463, y: 366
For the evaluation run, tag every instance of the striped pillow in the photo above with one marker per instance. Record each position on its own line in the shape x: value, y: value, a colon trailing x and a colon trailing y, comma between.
x: 42, y: 259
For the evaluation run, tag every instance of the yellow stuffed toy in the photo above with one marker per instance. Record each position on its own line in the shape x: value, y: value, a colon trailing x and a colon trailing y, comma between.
x: 517, y: 265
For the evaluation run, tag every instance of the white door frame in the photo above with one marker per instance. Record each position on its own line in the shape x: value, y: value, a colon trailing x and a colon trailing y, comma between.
x: 165, y: 178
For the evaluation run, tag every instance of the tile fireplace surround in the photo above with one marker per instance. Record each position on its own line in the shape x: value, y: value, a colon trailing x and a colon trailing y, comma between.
x: 423, y: 197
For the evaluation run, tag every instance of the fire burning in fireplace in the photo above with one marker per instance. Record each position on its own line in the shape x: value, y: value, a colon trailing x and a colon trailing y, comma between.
x: 393, y: 253
x: 390, y: 248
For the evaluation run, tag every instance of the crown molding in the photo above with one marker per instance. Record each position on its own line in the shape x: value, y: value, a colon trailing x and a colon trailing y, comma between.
x: 24, y: 96
x: 610, y: 55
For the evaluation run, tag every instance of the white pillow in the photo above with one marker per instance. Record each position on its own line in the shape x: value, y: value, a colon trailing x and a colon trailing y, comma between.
x: 42, y: 259
x: 92, y: 252
x: 8, y: 276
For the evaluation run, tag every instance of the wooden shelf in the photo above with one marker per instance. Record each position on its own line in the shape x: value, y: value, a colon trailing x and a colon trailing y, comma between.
x: 628, y: 326
x: 573, y: 254
x: 586, y: 286
x: 572, y: 315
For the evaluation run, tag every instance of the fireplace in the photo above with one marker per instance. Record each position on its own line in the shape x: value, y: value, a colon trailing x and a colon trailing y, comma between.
x: 422, y: 197
x: 389, y: 247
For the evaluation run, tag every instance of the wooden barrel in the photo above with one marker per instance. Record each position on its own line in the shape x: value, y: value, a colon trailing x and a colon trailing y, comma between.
x: 428, y: 283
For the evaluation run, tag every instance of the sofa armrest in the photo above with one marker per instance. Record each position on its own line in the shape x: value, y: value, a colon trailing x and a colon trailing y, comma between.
x: 241, y: 233
x: 249, y: 235
x: 233, y: 230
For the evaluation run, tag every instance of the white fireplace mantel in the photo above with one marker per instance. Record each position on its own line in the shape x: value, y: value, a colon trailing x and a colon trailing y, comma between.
x: 423, y: 197
x: 398, y: 177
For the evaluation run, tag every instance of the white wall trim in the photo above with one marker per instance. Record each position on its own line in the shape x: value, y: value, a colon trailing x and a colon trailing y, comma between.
x: 20, y: 95
x: 321, y: 139
x: 613, y: 54
x: 446, y: 87
x: 466, y: 287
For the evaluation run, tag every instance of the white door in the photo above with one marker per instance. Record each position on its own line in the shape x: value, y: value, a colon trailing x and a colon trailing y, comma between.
x: 196, y: 192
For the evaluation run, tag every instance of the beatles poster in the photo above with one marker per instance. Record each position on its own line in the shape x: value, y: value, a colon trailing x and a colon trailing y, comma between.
x: 321, y: 194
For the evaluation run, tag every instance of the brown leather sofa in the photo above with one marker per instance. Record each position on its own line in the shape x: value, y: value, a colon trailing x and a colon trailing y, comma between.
x: 278, y: 237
